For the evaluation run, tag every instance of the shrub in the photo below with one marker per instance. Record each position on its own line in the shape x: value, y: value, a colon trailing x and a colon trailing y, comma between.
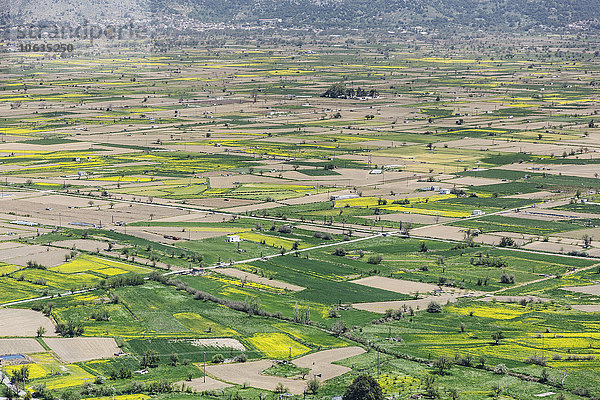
x: 434, y: 307
x: 500, y: 369
x: 506, y: 278
x: 537, y: 360
x: 218, y: 358
x: 339, y: 252
x: 376, y: 259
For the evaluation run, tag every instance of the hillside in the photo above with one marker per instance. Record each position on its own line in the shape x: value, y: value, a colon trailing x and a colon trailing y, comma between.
x: 518, y: 15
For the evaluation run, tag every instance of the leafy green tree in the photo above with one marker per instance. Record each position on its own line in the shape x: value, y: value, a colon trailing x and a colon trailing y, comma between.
x: 364, y: 387
x: 497, y: 336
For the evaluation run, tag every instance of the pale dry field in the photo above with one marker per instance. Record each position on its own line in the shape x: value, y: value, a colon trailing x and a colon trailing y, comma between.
x: 541, y: 195
x: 219, y: 342
x: 72, y: 350
x: 592, y: 308
x: 251, y: 207
x: 21, y: 322
x: 583, y: 171
x: 473, y: 181
x: 218, y: 202
x: 20, y: 346
x: 514, y: 299
x: 321, y: 361
x: 84, y: 244
x: 196, y: 217
x: 20, y: 254
x: 412, y: 218
x: 231, y: 180
x: 314, y: 198
x: 203, y: 384
x: 243, y: 275
x: 591, y: 289
x: 440, y: 232
x: 250, y: 373
x: 396, y: 285
x: 381, y: 307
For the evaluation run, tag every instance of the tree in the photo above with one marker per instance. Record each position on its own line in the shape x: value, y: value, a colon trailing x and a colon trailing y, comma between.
x: 434, y: 307
x: 280, y: 388
x: 497, y: 336
x: 496, y: 390
x: 507, y: 242
x: 364, y: 387
x: 338, y: 327
x: 587, y: 241
x: 312, y: 386
x: 218, y: 358
x: 149, y: 359
x: 442, y: 364
x: 41, y: 331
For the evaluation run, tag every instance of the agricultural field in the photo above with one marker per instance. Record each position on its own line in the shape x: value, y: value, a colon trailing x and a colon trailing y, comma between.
x: 240, y: 217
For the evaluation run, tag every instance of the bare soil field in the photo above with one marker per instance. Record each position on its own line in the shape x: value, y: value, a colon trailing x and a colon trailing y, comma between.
x: 54, y: 200
x: 396, y: 285
x: 204, y: 384
x: 72, y: 350
x: 220, y: 342
x: 552, y: 247
x: 441, y: 232
x: 548, y: 214
x: 381, y: 307
x: 412, y: 218
x: 591, y: 289
x: 251, y: 207
x: 321, y: 361
x: 231, y: 180
x: 197, y: 217
x: 84, y: 244
x: 20, y: 254
x: 578, y: 234
x: 473, y: 181
x: 243, y: 275
x: 217, y: 203
x: 21, y: 322
x: 514, y: 299
x: 251, y: 372
x: 532, y: 196
x: 584, y: 171
x: 314, y: 198
x: 20, y: 346
x: 586, y: 307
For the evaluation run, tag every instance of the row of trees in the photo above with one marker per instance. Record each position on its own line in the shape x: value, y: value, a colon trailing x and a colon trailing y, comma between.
x: 340, y: 91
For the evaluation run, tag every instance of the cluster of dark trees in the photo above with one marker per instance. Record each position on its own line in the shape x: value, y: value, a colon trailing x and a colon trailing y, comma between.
x: 340, y: 91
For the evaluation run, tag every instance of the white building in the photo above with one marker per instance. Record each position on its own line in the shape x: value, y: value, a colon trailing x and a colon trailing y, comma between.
x: 478, y: 212
x: 233, y: 238
x: 445, y: 191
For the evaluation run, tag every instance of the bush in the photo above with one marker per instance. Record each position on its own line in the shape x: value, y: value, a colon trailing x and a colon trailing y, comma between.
x: 338, y: 327
x: 218, y: 358
x: 69, y: 329
x: 377, y: 259
x: 339, y: 252
x: 506, y: 278
x: 537, y: 360
x: 507, y: 242
x: 434, y: 307
x: 500, y: 369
